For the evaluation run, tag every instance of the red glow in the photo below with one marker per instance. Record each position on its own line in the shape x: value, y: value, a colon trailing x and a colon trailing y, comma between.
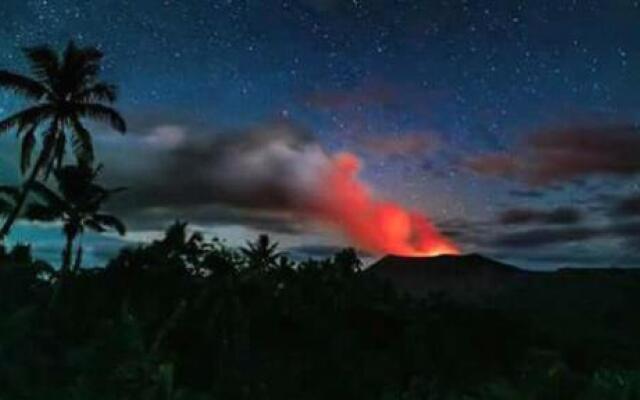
x: 375, y: 225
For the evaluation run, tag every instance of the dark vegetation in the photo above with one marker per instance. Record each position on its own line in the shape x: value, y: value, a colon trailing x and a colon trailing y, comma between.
x: 188, y: 318
x: 185, y: 317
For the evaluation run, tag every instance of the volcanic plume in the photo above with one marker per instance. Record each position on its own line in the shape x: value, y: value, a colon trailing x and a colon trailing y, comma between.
x: 280, y: 167
x: 376, y: 225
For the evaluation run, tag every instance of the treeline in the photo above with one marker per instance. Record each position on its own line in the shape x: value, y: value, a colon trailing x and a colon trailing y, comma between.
x: 189, y: 318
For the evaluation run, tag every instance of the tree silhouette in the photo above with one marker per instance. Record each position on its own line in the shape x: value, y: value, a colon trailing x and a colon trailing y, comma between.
x: 151, y: 325
x: 261, y: 254
x: 347, y: 261
x: 8, y: 197
x: 62, y: 91
x: 178, y: 242
x: 77, y: 204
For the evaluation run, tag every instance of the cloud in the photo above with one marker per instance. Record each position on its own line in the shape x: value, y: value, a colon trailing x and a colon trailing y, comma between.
x: 564, y: 155
x: 578, y: 256
x: 495, y: 164
x: 166, y: 136
x: 560, y: 216
x: 629, y: 232
x: 231, y: 177
x: 528, y: 194
x: 402, y: 145
x: 277, y: 175
x: 627, y: 207
x: 375, y: 94
x: 546, y: 237
x: 149, y: 218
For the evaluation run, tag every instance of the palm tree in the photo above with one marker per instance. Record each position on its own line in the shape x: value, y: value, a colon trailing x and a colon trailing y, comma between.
x: 262, y: 253
x: 77, y: 204
x: 62, y: 91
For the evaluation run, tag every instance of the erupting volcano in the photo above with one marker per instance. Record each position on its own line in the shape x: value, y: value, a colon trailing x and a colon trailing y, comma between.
x: 373, y: 224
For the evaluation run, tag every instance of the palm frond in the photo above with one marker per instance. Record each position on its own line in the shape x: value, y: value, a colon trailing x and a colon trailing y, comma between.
x: 82, y: 143
x: 47, y: 153
x: 8, y: 197
x: 51, y: 198
x: 98, y: 195
x: 110, y: 221
x: 13, y: 192
x: 42, y: 212
x: 74, y: 55
x: 6, y: 206
x: 22, y: 85
x: 96, y: 93
x: 80, y: 68
x: 28, y: 143
x: 60, y: 149
x: 44, y: 62
x: 102, y: 113
x: 95, y: 226
x: 31, y: 116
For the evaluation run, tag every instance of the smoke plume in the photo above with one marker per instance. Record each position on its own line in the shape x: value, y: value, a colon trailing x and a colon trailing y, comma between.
x: 376, y: 225
x: 280, y: 168
x: 299, y: 175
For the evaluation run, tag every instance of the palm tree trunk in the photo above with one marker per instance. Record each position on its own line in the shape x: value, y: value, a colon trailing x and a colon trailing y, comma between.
x: 78, y: 261
x: 64, y: 269
x: 66, y: 255
x: 26, y: 187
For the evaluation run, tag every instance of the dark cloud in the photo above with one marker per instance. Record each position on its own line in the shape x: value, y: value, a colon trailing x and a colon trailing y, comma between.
x: 528, y: 194
x: 376, y: 94
x: 468, y: 233
x: 402, y: 145
x: 578, y: 152
x: 627, y: 207
x: 545, y: 237
x: 560, y: 216
x: 629, y: 229
x: 238, y: 168
x: 143, y: 217
x: 247, y: 177
x: 567, y: 155
x: 629, y: 233
x: 583, y: 257
x: 495, y: 164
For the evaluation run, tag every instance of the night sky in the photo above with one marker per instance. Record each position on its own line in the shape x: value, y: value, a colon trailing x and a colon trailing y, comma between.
x: 513, y: 124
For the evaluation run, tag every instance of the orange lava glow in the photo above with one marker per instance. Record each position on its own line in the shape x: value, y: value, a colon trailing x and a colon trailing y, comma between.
x: 379, y: 226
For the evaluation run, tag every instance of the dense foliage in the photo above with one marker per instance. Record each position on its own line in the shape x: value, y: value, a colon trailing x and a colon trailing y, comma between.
x: 187, y: 318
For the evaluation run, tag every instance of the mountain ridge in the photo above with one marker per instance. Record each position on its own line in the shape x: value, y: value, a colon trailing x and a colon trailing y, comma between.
x: 464, y: 277
x: 446, y: 259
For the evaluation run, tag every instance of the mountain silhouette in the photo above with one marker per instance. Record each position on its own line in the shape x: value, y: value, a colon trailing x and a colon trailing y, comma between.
x: 465, y: 277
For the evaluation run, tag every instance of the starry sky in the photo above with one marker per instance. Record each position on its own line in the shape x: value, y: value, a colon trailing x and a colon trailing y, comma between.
x: 513, y: 124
